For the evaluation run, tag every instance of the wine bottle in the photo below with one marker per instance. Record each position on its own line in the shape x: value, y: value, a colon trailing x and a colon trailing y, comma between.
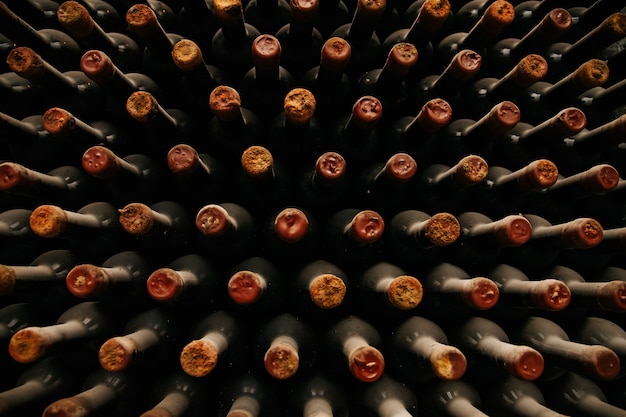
x: 529, y: 13
x: 388, y: 396
x: 19, y: 242
x: 106, y: 14
x: 287, y: 347
x: 562, y: 354
x: 75, y: 19
x: 41, y: 13
x: 247, y: 394
x: 601, y: 331
x: 217, y: 346
x: 267, y: 16
x: 162, y: 229
x: 197, y: 20
x: 584, y: 19
x: 187, y: 281
x: 20, y: 97
x: 264, y: 87
x: 291, y: 237
x: 147, y: 338
x: 318, y: 394
x: 419, y: 352
x: 357, y: 342
x: 177, y: 395
x: 452, y: 398
x: 490, y: 352
x: 82, y: 323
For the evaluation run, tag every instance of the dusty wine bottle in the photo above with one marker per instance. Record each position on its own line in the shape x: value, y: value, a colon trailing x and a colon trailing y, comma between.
x: 601, y: 331
x: 268, y: 16
x: 19, y: 242
x: 458, y: 398
x: 176, y: 395
x: 389, y: 397
x: 318, y: 394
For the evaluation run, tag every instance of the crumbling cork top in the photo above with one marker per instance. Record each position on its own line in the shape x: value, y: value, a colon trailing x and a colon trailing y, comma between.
x: 590, y: 74
x: 225, y: 103
x: 142, y: 106
x: 433, y: 15
x: 299, y: 106
x: 48, y: 221
x: 336, y: 53
x: 442, y: 229
x: 327, y: 291
x: 75, y: 18
x: 58, y: 121
x: 26, y: 63
x: 186, y: 54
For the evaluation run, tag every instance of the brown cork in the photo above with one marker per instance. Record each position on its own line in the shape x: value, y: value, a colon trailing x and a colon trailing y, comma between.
x: 183, y: 160
x: 75, y: 18
x: 465, y: 65
x: 366, y: 227
x: 266, y: 51
x: 513, y: 230
x: 527, y: 363
x: 615, y: 25
x: 433, y: 15
x: 367, y: 363
x: 482, y: 293
x: 228, y: 11
x: 198, y: 358
x: 434, y: 115
x: 448, y: 363
x: 257, y: 161
x: 58, y: 121
x: 246, y: 287
x: 28, y: 345
x: 68, y: 407
x: 539, y: 175
x: 582, y: 233
x: 117, y: 354
x: 367, y: 112
x: 26, y: 63
x: 551, y: 295
x: 497, y: 16
x: 568, y: 122
x: 401, y: 167
x: 612, y: 296
x: 405, y: 292
x: 187, y: 55
x: 142, y: 106
x: 281, y: 360
x: 14, y: 177
x: 136, y: 218
x: 471, y: 170
x: 601, y: 362
x: 98, y: 66
x: 401, y: 58
x: 442, y: 229
x: 165, y: 284
x: 371, y: 9
x: 590, y: 74
x: 299, y: 106
x: 330, y: 166
x: 101, y: 162
x: 48, y: 221
x: 529, y: 70
x: 503, y: 117
x: 291, y: 225
x: 213, y: 220
x: 86, y: 281
x: 7, y: 280
x: 142, y: 20
x: 303, y: 10
x: 336, y: 53
x: 225, y: 103
x: 600, y: 179
x: 327, y: 291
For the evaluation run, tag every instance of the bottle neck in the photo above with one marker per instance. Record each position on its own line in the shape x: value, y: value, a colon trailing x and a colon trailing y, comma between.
x: 529, y: 406
x: 462, y: 407
x: 317, y: 407
x: 174, y: 403
x: 26, y: 393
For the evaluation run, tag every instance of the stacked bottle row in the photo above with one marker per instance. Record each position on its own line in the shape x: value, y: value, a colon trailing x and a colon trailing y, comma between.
x: 312, y: 208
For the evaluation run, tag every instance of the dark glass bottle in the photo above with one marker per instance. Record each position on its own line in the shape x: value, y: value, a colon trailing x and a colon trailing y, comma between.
x: 197, y: 20
x: 268, y: 16
x: 529, y: 13
x: 176, y: 395
x: 19, y: 242
x: 445, y: 398
x: 388, y: 396
x: 357, y: 342
x: 601, y: 331
x: 247, y: 394
x: 420, y: 352
x: 75, y: 19
x: 19, y: 97
x: 217, y: 346
x: 603, y: 104
x: 319, y: 394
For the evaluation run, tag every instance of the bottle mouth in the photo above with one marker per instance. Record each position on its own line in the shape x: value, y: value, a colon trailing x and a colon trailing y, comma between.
x: 367, y: 363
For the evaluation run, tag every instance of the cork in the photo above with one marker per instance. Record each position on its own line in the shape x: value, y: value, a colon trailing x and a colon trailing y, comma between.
x: 225, y: 103
x: 330, y: 166
x: 142, y: 20
x: 366, y: 227
x: 503, y: 117
x: 367, y: 111
x: 117, y: 354
x: 568, y: 122
x: 442, y: 229
x: 433, y: 15
x: 401, y: 167
x: 303, y: 10
x: 615, y: 25
x: 291, y: 225
x: 58, y: 121
x: 14, y: 177
x: 98, y: 66
x: 48, y: 221
x: 228, y: 11
x: 471, y: 170
x: 101, y: 162
x: 582, y: 233
x: 7, y: 280
x: 336, y: 53
x: 367, y: 363
x: 281, y: 360
x: 68, y: 407
x: 405, y: 292
x: 198, y: 358
x: 481, y: 294
x: 165, y: 284
x: 600, y: 179
x: 327, y: 291
x: 527, y: 363
x: 257, y: 161
x: 529, y: 70
x: 590, y: 74
x: 498, y: 15
x: 246, y: 287
x: 266, y: 52
x: 402, y: 57
x: 448, y: 363
x: 299, y: 106
x: 612, y: 296
x: 213, y: 220
x: 182, y: 160
x: 75, y: 18
x: 86, y: 280
x: 371, y: 9
x: 142, y: 106
x: 465, y: 65
x: 539, y: 175
x: 28, y: 345
x: 513, y: 230
x: 187, y: 55
x: 600, y: 362
x: 434, y: 115
x: 137, y: 219
x: 551, y: 295
x: 26, y: 63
